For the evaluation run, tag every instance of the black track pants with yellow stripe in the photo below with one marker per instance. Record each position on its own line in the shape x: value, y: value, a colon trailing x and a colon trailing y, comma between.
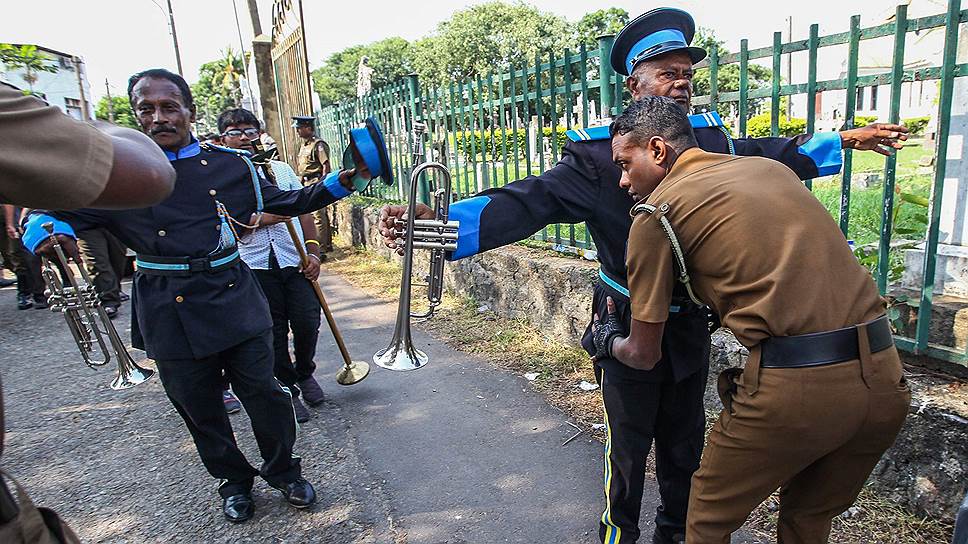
x: 636, y: 413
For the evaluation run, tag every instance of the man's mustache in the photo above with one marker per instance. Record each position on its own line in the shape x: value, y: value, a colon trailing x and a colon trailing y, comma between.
x: 160, y: 130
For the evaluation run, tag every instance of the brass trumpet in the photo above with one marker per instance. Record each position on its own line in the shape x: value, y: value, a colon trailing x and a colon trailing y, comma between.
x: 90, y: 326
x: 438, y: 235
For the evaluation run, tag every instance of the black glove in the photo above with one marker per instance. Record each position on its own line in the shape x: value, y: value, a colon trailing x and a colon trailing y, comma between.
x: 604, y: 333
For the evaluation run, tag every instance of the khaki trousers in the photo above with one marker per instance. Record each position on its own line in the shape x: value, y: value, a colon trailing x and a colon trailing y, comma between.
x: 814, y: 433
x: 324, y: 229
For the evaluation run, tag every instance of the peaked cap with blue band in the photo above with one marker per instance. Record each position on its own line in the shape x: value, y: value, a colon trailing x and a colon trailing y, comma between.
x: 372, y: 147
x: 651, y: 34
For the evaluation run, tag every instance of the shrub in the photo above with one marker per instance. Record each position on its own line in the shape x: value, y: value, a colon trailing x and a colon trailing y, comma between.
x: 759, y: 126
x: 478, y: 144
x: 916, y: 125
x: 864, y: 120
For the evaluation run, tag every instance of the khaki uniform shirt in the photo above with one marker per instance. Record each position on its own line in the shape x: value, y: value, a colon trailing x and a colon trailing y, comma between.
x: 311, y: 160
x: 759, y: 247
x: 49, y: 159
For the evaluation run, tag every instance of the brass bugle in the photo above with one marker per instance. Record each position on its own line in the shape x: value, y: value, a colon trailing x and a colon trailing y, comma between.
x: 92, y: 329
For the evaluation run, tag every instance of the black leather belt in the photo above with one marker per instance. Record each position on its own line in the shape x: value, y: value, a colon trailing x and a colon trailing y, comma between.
x: 157, y: 265
x: 823, y: 348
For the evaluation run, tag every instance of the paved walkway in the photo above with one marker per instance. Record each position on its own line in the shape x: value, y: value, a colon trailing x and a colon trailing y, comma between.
x: 457, y: 452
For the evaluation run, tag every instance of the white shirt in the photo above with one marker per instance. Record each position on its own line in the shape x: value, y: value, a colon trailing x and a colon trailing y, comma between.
x: 255, y: 243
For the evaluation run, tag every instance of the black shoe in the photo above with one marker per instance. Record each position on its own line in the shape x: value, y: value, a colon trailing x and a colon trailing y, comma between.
x: 124, y: 296
x: 24, y: 302
x: 4, y: 282
x: 299, y: 493
x: 40, y: 302
x: 238, y: 508
x: 111, y: 311
x: 302, y: 414
x: 312, y: 393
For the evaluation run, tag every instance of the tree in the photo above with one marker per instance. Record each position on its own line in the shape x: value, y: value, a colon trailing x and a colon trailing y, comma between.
x: 335, y: 80
x: 218, y: 88
x: 28, y: 59
x: 598, y: 23
x: 123, y: 116
x: 488, y: 38
x: 727, y: 77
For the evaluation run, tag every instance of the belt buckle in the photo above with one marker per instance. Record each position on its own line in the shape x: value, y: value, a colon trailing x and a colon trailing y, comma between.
x: 199, y: 265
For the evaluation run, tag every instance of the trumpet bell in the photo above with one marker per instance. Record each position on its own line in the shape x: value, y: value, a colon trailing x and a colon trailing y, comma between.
x: 130, y: 377
x: 400, y: 356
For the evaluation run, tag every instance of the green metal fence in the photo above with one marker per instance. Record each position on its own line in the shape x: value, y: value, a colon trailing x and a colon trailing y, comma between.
x: 503, y: 127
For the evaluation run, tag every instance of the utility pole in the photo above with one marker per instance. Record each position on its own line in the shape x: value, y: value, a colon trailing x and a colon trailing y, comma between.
x: 262, y: 55
x: 254, y: 15
x: 107, y: 88
x: 245, y: 61
x: 174, y: 38
x: 80, y: 87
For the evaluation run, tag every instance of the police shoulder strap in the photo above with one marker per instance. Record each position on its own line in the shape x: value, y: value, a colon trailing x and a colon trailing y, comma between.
x: 679, y: 261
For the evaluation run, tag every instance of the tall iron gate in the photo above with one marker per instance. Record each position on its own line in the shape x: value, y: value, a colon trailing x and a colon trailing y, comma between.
x: 291, y: 71
x: 502, y: 127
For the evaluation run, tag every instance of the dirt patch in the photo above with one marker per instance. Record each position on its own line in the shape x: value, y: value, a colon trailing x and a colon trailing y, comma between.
x: 516, y: 346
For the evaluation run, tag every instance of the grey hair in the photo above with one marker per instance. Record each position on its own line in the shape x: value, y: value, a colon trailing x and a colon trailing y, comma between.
x: 655, y: 116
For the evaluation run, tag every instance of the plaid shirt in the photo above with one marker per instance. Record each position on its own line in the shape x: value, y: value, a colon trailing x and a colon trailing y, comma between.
x: 255, y: 245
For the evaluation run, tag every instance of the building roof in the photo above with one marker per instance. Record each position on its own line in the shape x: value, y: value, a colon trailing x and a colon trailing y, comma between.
x: 46, y: 50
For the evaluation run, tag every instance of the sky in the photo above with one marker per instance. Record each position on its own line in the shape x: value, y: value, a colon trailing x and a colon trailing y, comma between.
x: 117, y: 38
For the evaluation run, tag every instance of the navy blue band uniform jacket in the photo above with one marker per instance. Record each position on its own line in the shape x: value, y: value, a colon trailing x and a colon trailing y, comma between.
x: 194, y: 316
x: 584, y: 187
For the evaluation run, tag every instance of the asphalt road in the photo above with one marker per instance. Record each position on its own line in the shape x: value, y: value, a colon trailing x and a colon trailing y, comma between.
x: 457, y: 452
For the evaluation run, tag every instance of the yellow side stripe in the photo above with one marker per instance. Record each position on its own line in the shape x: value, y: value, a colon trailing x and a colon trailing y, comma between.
x: 613, y: 533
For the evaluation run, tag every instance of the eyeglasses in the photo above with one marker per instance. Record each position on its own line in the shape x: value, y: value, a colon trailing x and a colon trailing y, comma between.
x: 237, y: 133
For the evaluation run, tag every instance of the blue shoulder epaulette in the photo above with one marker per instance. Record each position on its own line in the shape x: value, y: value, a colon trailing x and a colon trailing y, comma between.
x: 588, y: 134
x: 706, y: 120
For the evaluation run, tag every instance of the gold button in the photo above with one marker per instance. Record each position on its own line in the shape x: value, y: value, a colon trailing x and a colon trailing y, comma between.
x: 162, y: 233
x: 204, y: 162
x: 179, y: 298
x: 211, y: 192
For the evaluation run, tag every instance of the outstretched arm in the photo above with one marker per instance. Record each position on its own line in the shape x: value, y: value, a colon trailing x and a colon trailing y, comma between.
x: 567, y: 193
x: 819, y: 154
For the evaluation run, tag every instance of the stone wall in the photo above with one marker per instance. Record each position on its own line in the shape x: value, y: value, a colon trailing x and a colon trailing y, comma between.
x: 926, y: 470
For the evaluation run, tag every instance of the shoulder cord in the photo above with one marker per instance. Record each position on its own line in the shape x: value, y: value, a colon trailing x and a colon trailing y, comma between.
x: 226, y: 218
x: 729, y: 140
x: 680, y: 259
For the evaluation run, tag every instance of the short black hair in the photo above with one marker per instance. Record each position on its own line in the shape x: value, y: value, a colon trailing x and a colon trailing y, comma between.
x: 161, y: 73
x: 237, y: 116
x: 656, y: 116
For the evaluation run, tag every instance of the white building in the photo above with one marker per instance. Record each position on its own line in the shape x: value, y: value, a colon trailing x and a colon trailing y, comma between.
x: 918, y: 98
x: 64, y: 88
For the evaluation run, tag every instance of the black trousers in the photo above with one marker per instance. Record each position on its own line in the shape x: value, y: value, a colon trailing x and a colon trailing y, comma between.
x: 194, y: 387
x: 105, y: 258
x: 636, y: 414
x: 293, y: 304
x: 664, y: 405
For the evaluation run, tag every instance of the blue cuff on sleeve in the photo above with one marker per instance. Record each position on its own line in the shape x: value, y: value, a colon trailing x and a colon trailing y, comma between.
x: 823, y: 148
x: 334, y: 186
x: 34, y: 233
x: 468, y: 212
